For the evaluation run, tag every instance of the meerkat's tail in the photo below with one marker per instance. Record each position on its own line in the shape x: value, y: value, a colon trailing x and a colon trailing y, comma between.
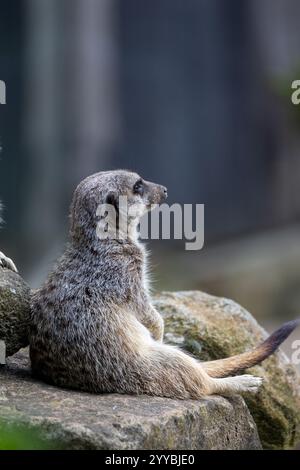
x: 234, y: 364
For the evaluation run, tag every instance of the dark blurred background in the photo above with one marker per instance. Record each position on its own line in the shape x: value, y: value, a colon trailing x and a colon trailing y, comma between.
x: 192, y: 94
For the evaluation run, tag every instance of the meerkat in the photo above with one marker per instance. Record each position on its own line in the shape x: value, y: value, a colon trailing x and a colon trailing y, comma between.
x: 6, y: 262
x: 93, y: 326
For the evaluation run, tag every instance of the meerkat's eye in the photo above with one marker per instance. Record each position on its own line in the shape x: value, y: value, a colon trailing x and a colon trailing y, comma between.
x: 138, y: 188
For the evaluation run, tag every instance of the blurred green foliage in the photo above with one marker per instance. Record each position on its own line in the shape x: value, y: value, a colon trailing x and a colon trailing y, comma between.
x: 19, y: 437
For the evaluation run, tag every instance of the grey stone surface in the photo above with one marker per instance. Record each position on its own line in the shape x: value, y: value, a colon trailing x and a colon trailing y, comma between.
x: 74, y: 420
x: 14, y: 311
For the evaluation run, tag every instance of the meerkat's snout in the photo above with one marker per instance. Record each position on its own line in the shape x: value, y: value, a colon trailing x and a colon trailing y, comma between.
x: 164, y: 193
x: 157, y: 193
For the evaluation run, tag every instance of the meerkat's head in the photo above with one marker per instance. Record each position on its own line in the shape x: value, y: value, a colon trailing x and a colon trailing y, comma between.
x: 121, y: 190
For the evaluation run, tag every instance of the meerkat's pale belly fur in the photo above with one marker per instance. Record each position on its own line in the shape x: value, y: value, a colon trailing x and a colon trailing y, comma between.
x: 94, y: 328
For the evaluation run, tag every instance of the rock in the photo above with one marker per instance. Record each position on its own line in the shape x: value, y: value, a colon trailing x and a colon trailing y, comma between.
x: 73, y: 420
x: 14, y: 311
x: 213, y: 328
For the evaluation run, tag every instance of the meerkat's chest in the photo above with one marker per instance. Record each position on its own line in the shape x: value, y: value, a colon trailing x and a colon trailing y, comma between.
x: 145, y: 279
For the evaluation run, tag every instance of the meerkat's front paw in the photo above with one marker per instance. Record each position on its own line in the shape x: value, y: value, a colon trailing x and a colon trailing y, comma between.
x: 249, y: 383
x: 7, y: 263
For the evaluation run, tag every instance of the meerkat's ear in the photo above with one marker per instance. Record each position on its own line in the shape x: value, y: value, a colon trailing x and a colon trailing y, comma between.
x: 112, y: 199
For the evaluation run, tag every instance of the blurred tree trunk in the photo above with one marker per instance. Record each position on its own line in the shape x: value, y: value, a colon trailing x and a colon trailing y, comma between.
x: 71, y: 116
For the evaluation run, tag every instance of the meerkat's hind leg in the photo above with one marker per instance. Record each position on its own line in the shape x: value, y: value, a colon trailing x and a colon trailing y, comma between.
x: 6, y: 262
x: 164, y: 370
x: 237, y: 384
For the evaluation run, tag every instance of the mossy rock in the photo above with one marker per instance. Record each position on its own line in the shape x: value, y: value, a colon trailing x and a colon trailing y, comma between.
x: 14, y: 311
x: 212, y: 328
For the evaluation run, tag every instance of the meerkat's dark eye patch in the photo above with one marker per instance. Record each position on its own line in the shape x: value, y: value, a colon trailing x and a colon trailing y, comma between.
x: 139, y: 187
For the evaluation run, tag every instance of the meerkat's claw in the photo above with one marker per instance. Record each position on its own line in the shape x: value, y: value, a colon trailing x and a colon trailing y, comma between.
x: 7, y: 263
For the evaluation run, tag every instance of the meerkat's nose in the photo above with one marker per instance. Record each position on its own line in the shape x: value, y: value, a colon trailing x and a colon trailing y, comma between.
x: 165, y: 192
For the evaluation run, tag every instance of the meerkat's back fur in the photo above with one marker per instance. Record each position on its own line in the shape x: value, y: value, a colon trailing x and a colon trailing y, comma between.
x: 93, y: 326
